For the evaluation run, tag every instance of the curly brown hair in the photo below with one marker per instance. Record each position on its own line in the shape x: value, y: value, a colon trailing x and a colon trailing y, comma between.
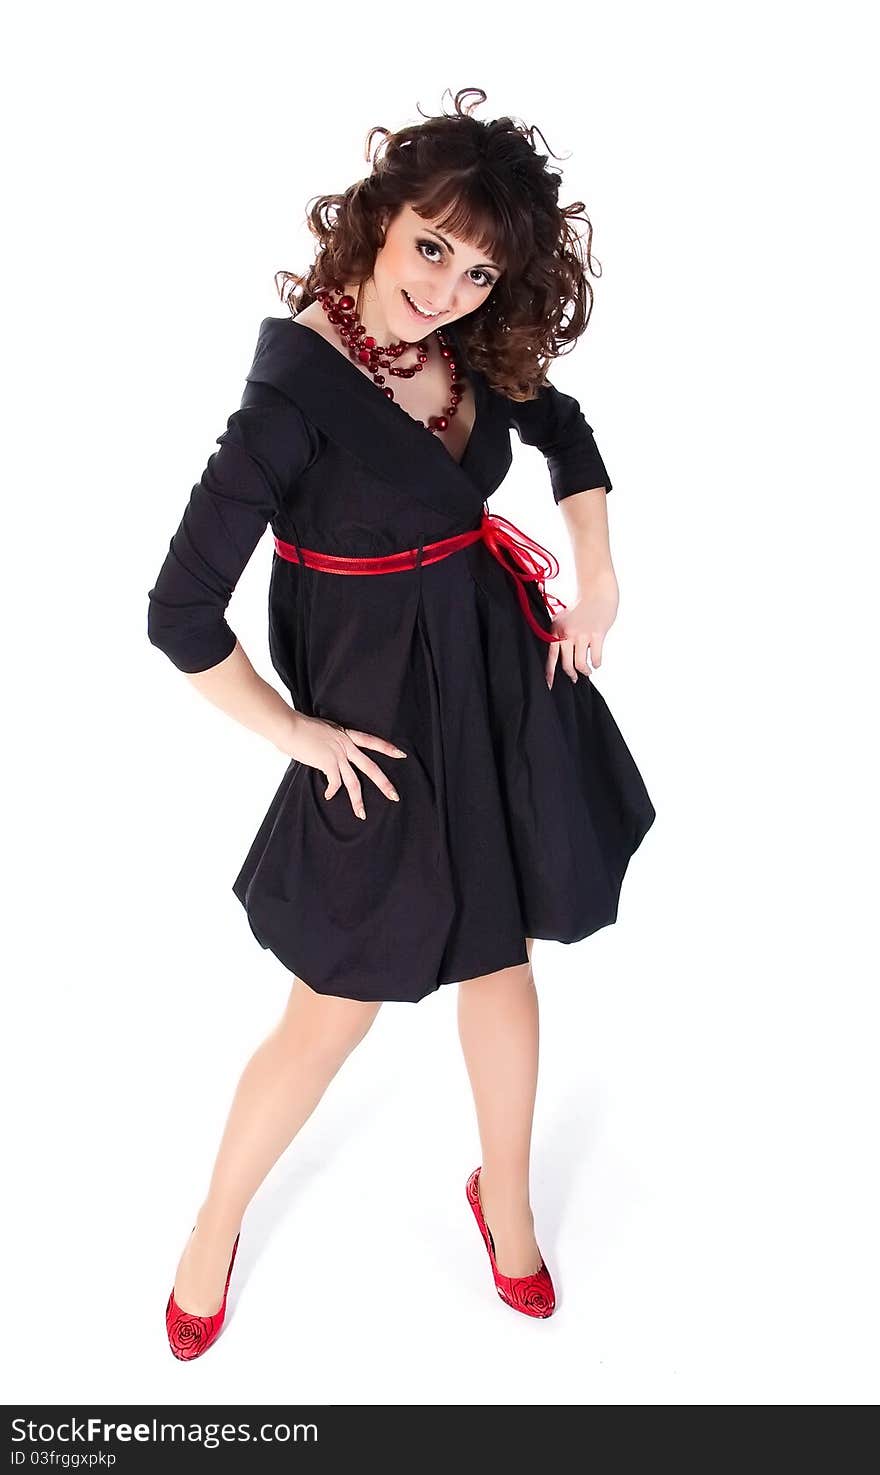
x: 487, y: 183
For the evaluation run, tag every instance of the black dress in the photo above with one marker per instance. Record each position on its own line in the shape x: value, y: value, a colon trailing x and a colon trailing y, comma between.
x: 520, y: 806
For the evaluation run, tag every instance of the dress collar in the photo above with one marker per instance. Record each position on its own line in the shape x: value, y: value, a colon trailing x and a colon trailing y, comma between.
x: 302, y: 364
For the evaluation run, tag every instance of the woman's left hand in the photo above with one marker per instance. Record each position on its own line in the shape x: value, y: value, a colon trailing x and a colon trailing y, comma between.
x: 583, y: 627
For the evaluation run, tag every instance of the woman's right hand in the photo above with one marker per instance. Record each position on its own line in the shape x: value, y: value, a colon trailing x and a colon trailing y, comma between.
x: 336, y: 751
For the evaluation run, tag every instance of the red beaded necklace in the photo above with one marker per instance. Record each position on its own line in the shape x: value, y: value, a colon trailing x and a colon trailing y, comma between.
x: 376, y: 356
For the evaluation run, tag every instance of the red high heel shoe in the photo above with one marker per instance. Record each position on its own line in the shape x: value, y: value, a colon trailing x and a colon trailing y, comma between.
x: 532, y: 1294
x: 190, y: 1335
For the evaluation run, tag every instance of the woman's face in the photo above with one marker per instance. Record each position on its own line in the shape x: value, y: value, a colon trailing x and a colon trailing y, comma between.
x: 441, y: 273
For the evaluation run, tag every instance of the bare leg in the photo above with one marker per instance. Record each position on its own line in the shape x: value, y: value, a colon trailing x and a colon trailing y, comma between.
x: 279, y: 1089
x: 498, y: 1028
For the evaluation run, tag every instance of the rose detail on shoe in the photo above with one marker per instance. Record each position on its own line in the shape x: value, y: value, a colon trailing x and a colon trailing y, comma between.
x: 533, y: 1297
x: 187, y: 1334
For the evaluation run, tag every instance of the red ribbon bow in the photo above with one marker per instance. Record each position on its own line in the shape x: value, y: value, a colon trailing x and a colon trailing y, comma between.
x: 528, y: 570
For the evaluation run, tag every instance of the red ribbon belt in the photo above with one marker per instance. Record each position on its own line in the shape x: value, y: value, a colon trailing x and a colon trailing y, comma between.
x: 532, y: 562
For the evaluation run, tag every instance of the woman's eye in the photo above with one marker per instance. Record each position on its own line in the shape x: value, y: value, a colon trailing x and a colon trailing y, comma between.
x: 432, y: 246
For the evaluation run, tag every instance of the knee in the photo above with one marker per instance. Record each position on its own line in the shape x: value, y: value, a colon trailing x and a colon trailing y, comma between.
x: 345, y: 1031
x: 502, y: 983
x: 324, y: 1027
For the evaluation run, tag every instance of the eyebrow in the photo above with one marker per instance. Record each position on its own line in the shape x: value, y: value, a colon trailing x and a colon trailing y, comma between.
x: 451, y: 250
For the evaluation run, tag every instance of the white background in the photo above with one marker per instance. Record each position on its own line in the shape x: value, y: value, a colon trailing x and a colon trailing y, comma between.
x: 704, y: 1166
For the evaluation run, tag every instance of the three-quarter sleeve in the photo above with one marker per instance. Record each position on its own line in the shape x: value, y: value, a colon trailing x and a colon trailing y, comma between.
x: 266, y: 445
x: 555, y: 424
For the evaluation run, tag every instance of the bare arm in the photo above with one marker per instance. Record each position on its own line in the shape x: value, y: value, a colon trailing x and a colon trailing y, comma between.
x: 586, y: 517
x: 585, y: 625
x: 235, y: 687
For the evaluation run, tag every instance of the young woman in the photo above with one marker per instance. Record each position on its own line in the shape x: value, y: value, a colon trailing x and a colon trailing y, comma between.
x: 457, y: 786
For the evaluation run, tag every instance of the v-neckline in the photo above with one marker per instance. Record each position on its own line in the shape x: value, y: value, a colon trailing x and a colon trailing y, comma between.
x: 395, y: 406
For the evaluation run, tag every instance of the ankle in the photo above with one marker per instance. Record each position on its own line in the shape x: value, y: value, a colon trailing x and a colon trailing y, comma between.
x: 217, y: 1222
x: 507, y: 1193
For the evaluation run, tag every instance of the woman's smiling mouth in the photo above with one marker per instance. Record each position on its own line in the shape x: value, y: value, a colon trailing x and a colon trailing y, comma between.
x: 417, y: 310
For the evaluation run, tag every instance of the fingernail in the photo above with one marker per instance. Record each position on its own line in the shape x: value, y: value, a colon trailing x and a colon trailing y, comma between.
x: 400, y: 753
x: 394, y: 795
x: 361, y: 814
